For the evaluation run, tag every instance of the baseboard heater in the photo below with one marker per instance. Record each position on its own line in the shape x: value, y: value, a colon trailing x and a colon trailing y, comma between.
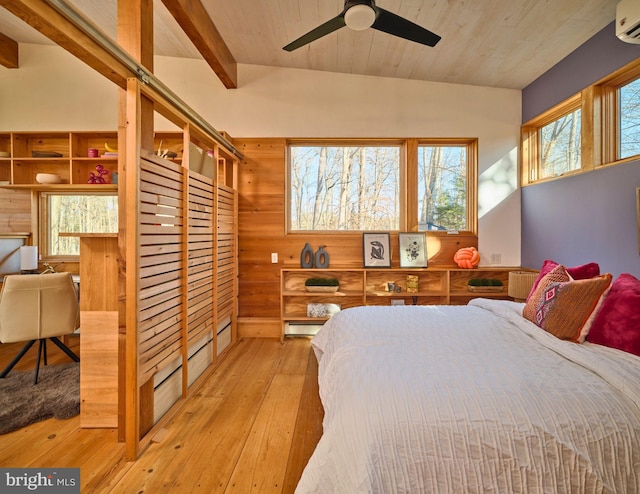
x: 301, y: 328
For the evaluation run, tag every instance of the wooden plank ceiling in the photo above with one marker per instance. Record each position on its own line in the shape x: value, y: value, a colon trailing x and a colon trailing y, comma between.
x: 495, y: 43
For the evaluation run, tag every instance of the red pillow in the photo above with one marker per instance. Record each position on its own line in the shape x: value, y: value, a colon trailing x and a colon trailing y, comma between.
x: 617, y: 324
x: 582, y: 272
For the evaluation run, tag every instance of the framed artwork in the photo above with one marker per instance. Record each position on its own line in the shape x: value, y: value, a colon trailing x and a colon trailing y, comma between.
x: 413, y: 250
x: 376, y: 250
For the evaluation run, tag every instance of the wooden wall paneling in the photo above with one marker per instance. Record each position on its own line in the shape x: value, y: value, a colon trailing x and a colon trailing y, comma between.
x: 262, y: 229
x: 15, y: 211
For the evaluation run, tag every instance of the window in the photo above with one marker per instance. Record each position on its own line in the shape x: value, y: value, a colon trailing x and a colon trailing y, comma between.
x: 344, y: 187
x: 442, y: 188
x: 424, y: 184
x: 629, y: 119
x: 78, y: 213
x: 600, y: 126
x: 560, y: 145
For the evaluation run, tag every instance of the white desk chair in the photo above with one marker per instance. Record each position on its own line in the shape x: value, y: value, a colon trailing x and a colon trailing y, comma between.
x: 34, y: 308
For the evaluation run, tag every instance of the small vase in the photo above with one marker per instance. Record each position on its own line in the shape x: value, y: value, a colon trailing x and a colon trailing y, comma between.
x: 322, y: 258
x: 306, y: 257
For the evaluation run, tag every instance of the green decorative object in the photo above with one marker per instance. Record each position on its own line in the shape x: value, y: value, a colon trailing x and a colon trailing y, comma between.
x: 322, y: 282
x: 485, y: 285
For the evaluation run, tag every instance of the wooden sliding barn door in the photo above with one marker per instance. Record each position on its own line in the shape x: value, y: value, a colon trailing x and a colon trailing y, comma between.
x: 227, y: 266
x: 180, y: 271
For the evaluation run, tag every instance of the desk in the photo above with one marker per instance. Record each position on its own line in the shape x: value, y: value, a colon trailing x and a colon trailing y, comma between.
x: 99, y: 329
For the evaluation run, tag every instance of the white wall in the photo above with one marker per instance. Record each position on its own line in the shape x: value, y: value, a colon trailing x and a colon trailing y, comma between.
x: 53, y: 91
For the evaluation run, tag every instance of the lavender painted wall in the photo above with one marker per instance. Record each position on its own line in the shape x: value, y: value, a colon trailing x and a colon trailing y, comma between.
x: 592, y: 216
x: 603, y: 54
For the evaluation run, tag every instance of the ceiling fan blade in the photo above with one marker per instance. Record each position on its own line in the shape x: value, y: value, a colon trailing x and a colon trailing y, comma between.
x: 322, y: 30
x: 391, y: 23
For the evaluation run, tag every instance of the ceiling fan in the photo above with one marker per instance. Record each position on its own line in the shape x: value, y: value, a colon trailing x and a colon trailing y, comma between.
x: 362, y: 14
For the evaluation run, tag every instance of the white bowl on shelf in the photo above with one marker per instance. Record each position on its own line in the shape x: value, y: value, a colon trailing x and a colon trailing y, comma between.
x: 48, y: 178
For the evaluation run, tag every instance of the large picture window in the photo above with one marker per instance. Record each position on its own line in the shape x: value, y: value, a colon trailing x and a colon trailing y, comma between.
x: 350, y: 187
x: 74, y: 213
x: 414, y: 184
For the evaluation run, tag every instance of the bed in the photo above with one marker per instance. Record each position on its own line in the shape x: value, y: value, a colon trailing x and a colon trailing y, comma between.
x: 470, y: 399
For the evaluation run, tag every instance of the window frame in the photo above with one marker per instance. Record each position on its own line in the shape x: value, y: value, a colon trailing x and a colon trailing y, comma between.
x: 599, y: 127
x: 44, y: 220
x: 408, y: 174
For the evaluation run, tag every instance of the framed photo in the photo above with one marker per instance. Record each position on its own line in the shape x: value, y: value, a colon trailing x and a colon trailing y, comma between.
x: 376, y: 250
x: 413, y: 250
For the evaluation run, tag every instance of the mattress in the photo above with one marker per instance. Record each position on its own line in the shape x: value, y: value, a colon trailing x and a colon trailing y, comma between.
x: 470, y: 399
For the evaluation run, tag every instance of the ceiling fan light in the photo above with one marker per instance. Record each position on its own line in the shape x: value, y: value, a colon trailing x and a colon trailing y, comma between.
x: 359, y: 17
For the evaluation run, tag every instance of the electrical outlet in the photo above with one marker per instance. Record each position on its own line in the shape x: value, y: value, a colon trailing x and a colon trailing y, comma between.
x: 496, y: 258
x: 274, y: 258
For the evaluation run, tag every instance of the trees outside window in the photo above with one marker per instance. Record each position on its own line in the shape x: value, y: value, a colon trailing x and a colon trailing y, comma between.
x: 414, y: 184
x: 599, y: 126
x: 336, y: 187
x: 560, y: 145
x: 442, y: 188
x: 77, y: 213
x: 629, y: 119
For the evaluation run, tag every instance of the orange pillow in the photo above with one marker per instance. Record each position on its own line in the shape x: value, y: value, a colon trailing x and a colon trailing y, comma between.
x: 557, y: 274
x: 567, y: 308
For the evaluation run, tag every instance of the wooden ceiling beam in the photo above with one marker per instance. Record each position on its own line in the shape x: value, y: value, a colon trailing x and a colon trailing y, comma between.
x: 8, y: 52
x: 44, y: 18
x: 198, y: 26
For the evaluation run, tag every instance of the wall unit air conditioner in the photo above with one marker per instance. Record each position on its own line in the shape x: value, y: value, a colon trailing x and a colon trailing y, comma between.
x: 628, y: 21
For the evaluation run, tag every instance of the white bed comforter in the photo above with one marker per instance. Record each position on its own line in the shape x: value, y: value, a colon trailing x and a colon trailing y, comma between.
x: 470, y: 399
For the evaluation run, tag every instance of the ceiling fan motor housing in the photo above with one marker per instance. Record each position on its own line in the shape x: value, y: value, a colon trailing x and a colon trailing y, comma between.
x: 359, y: 14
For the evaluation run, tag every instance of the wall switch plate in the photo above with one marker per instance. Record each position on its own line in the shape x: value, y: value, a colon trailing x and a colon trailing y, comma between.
x: 496, y: 258
x: 274, y: 258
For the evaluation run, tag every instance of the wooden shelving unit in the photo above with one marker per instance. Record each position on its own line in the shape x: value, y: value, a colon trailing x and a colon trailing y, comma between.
x: 21, y: 157
x: 28, y: 155
x: 447, y: 286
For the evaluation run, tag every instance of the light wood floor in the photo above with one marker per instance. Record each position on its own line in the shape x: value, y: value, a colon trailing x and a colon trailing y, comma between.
x: 250, y: 428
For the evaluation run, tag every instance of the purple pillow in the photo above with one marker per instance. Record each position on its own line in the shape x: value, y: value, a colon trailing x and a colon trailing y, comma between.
x: 617, y: 324
x: 582, y: 272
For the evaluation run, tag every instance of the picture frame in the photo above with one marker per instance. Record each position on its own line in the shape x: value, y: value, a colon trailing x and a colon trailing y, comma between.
x: 376, y: 250
x: 413, y: 249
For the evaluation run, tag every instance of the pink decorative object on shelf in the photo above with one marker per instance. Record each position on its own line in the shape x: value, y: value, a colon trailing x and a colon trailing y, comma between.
x: 100, y: 177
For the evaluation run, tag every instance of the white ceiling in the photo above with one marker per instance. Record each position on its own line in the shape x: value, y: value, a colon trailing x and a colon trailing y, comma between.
x: 496, y: 43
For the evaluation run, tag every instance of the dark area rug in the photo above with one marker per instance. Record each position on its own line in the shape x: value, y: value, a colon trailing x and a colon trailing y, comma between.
x: 56, y: 395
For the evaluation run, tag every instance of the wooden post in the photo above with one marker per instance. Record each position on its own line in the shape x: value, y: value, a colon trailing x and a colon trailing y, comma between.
x: 135, y: 34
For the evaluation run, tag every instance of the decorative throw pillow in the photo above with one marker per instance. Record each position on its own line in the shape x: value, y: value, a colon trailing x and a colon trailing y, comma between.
x: 582, y: 272
x: 555, y: 275
x: 617, y: 324
x: 567, y: 309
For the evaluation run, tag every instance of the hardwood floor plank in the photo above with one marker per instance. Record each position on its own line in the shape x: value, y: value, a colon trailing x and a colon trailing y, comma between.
x: 162, y: 463
x: 261, y: 468
x: 230, y: 431
x: 308, y: 429
x: 237, y: 433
